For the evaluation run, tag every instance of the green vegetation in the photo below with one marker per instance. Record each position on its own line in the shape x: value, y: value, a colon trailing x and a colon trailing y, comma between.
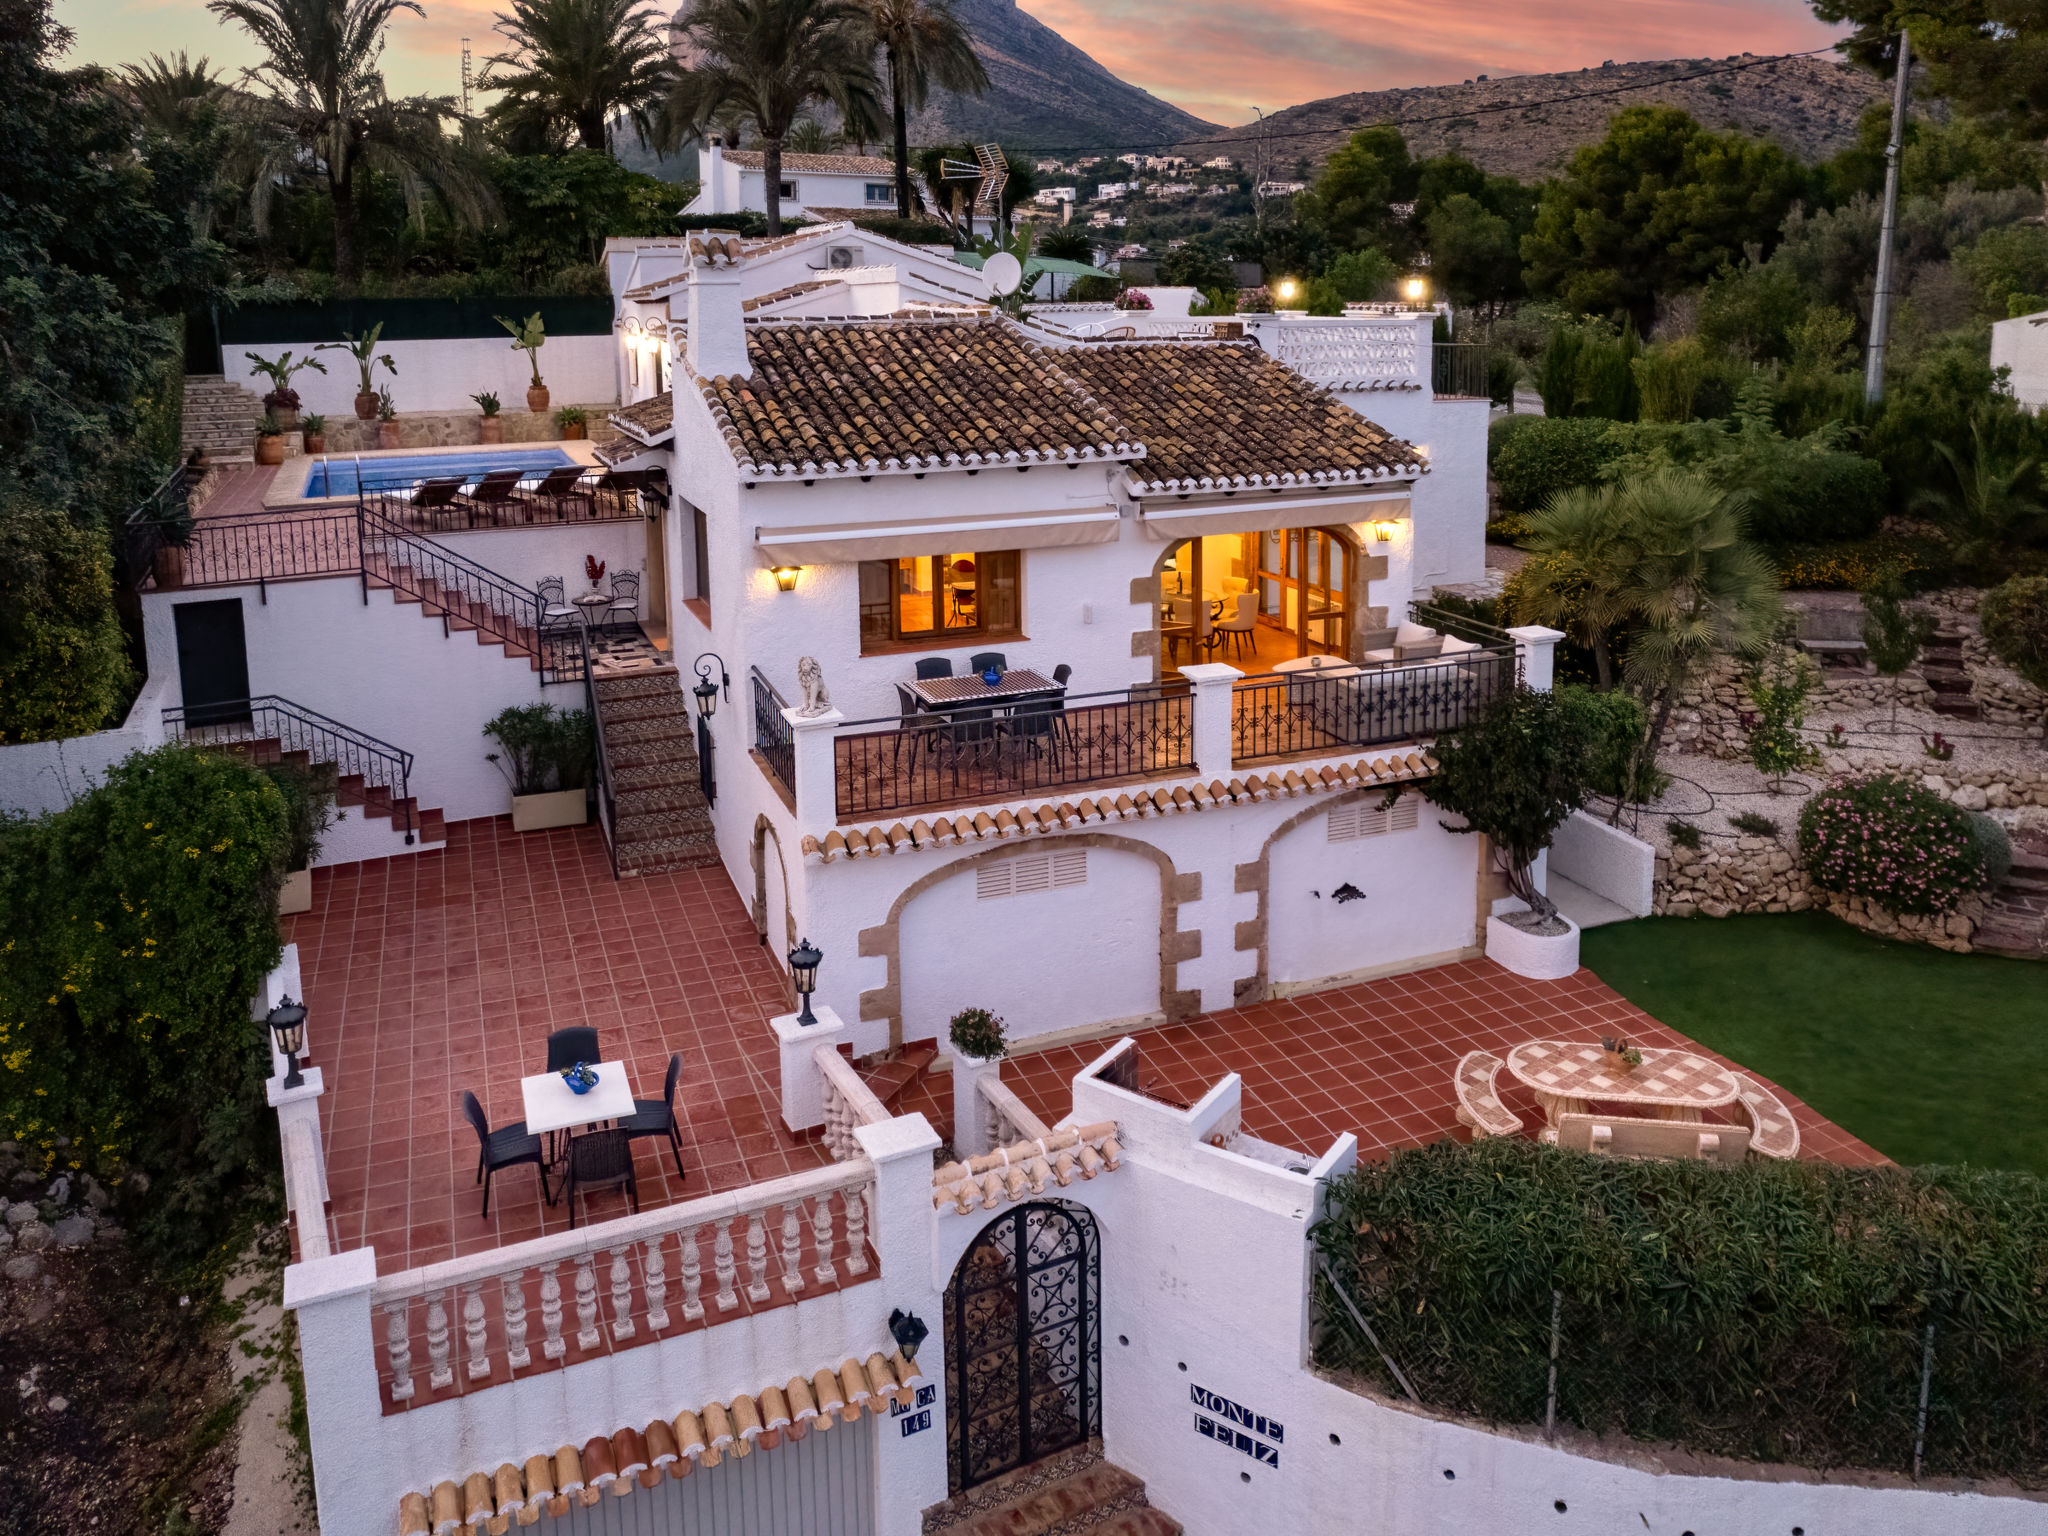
x: 544, y: 748
x: 1929, y: 1057
x: 63, y: 664
x: 2015, y: 615
x: 1890, y: 840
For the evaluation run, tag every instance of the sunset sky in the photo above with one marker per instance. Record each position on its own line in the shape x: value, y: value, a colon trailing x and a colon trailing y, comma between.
x: 1217, y: 58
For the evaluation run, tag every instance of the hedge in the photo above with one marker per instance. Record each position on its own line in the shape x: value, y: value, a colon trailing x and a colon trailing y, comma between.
x: 1552, y: 453
x: 1770, y: 1311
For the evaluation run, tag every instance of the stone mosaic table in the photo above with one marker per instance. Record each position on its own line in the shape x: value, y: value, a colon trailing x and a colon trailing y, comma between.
x: 1568, y: 1077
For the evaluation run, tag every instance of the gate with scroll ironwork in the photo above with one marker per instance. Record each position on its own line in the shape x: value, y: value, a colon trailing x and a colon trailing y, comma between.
x: 1023, y: 1342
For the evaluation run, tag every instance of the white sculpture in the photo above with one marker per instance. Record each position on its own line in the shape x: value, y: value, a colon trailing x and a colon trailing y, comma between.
x: 811, y: 678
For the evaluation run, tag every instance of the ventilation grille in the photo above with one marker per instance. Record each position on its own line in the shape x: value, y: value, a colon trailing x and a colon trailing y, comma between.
x: 1349, y: 822
x: 1030, y: 872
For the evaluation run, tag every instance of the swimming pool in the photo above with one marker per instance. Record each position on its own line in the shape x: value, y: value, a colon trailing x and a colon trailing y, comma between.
x: 337, y: 476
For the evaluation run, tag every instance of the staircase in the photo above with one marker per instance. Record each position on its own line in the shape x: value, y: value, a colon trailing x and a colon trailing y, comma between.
x: 1075, y: 1493
x: 358, y: 791
x: 888, y: 1075
x: 1942, y: 663
x: 462, y: 612
x: 2016, y: 919
x: 660, y: 818
x: 220, y: 417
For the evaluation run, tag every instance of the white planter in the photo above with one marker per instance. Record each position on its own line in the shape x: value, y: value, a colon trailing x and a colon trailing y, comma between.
x: 1537, y: 956
x: 557, y: 808
x: 296, y: 895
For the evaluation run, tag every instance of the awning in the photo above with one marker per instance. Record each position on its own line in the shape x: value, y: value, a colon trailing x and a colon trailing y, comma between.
x: 1168, y: 519
x: 846, y: 543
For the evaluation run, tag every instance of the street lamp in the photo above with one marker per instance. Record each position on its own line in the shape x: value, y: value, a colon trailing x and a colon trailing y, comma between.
x: 706, y: 693
x: 1415, y: 289
x: 803, y: 970
x: 287, y: 1023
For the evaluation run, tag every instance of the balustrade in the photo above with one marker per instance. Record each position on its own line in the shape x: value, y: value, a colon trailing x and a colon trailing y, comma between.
x: 849, y: 1103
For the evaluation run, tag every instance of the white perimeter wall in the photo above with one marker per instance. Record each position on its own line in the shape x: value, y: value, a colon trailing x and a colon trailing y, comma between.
x: 1606, y: 861
x: 524, y: 555
x: 1450, y: 501
x: 441, y: 375
x: 2022, y: 346
x: 38, y: 777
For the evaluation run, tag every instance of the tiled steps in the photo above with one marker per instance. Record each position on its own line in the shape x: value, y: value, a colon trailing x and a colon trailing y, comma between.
x: 462, y: 613
x: 1074, y: 1494
x: 891, y: 1077
x: 372, y: 800
x: 2016, y: 920
x: 220, y: 417
x: 661, y: 820
x: 1941, y: 662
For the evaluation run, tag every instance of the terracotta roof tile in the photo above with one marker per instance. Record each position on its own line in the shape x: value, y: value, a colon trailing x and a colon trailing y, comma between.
x: 816, y: 165
x: 649, y: 420
x: 905, y: 394
x: 1222, y: 415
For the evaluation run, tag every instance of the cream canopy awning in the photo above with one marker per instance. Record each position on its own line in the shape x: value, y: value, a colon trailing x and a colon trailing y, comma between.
x: 846, y: 543
x: 1169, y: 518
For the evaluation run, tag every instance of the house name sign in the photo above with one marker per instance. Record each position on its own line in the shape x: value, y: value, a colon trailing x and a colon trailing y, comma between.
x: 1237, y: 1427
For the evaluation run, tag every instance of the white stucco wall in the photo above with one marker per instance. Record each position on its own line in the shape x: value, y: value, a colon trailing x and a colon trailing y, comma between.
x: 1449, y: 503
x: 38, y: 777
x: 441, y: 375
x: 2022, y: 345
x: 524, y: 555
x: 1606, y: 861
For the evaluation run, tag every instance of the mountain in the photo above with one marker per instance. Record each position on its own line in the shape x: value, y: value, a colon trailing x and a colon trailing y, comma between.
x: 1514, y: 126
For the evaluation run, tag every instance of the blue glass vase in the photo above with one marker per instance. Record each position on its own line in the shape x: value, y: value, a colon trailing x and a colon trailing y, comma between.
x: 579, y: 1077
x: 992, y: 677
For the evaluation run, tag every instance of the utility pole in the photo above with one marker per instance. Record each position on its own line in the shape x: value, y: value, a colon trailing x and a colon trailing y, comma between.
x: 1881, y: 302
x: 1259, y: 182
x: 466, y: 77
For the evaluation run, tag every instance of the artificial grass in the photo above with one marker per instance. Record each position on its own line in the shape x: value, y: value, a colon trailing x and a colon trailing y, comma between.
x: 1927, y: 1056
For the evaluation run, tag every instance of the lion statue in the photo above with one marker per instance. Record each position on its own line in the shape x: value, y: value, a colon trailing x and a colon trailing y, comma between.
x: 811, y: 678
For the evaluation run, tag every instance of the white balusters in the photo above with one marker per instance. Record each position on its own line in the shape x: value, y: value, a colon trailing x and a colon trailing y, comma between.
x: 622, y: 1295
x: 757, y: 1258
x: 552, y: 1344
x: 821, y: 1240
x: 657, y: 1287
x: 474, y: 1335
x: 439, y: 1372
x: 586, y: 1301
x: 693, y: 1277
x: 856, y: 1230
x: 512, y: 1295
x: 398, y: 1344
x: 792, y: 1249
x: 722, y: 1265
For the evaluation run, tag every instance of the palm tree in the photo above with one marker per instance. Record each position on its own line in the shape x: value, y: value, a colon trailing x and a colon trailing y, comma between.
x: 926, y: 44
x: 327, y: 113
x: 771, y: 59
x: 580, y: 62
x: 171, y: 92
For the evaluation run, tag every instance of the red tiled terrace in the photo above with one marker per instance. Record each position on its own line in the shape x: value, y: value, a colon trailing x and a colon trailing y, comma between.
x: 446, y: 970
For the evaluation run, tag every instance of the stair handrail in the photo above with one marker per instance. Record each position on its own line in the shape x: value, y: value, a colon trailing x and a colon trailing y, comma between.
x: 366, y: 748
x: 607, y: 809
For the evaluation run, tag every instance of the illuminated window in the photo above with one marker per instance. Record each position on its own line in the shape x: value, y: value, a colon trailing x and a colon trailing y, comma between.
x: 919, y: 597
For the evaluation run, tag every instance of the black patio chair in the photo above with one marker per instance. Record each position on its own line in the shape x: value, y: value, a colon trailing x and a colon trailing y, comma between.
x: 915, y: 730
x: 1061, y: 673
x: 601, y: 1160
x: 934, y: 666
x: 568, y: 1046
x: 1038, y: 725
x: 657, y: 1117
x: 981, y: 661
x: 506, y: 1147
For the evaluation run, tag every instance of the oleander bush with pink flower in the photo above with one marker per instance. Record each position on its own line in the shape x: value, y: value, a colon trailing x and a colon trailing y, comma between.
x: 1887, y: 838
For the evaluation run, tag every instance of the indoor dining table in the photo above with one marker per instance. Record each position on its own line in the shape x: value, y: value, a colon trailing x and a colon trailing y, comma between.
x: 1568, y: 1077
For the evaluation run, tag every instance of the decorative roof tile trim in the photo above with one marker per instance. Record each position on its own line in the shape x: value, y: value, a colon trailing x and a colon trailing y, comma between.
x: 1185, y: 798
x: 794, y: 290
x: 631, y: 1457
x: 805, y: 236
x: 651, y: 420
x: 815, y: 165
x: 904, y: 395
x: 1027, y: 1168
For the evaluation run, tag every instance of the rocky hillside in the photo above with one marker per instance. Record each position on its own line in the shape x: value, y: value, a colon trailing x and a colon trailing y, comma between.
x: 1807, y: 105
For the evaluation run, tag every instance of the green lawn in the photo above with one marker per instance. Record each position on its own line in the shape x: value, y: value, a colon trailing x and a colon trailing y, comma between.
x: 1929, y: 1057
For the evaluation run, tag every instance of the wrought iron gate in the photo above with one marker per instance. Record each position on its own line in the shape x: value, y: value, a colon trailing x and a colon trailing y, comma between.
x: 1023, y: 1342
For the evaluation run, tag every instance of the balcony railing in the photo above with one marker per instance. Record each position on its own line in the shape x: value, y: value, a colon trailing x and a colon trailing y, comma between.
x: 1460, y: 368
x: 538, y: 499
x: 773, y: 738
x: 1042, y: 742
x: 1280, y: 716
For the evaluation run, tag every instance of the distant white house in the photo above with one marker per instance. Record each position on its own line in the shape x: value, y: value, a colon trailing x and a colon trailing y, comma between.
x: 2021, y: 344
x: 1281, y: 188
x: 1052, y: 197
x: 1220, y: 163
x: 813, y: 186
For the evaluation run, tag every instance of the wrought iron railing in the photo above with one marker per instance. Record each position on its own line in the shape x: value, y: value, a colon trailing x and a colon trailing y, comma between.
x: 1036, y: 742
x: 267, y: 728
x: 1313, y: 712
x: 1460, y: 368
x: 261, y: 547
x: 161, y: 520
x: 601, y: 762
x: 773, y: 738
x: 1448, y: 621
x: 539, y: 498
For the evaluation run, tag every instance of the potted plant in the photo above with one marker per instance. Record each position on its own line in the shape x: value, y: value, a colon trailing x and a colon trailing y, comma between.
x: 1617, y: 1055
x: 309, y: 810
x: 283, y: 401
x: 570, y: 420
x: 529, y: 336
x: 269, y: 440
x: 363, y: 349
x: 1134, y: 298
x: 1514, y: 774
x: 387, y: 420
x: 978, y: 1035
x: 492, y: 428
x: 315, y: 428
x: 546, y: 757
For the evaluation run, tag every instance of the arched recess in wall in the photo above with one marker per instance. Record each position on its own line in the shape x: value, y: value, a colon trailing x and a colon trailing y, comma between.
x: 885, y: 939
x: 765, y: 835
x: 1311, y: 583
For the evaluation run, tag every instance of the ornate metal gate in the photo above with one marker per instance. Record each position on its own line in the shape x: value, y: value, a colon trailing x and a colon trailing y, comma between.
x: 1023, y: 1342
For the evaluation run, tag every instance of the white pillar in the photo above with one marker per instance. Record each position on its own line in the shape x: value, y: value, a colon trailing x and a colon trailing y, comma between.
x: 817, y: 795
x: 803, y: 1086
x: 1212, y: 682
x: 356, y: 1481
x: 1535, y: 648
x: 972, y: 1134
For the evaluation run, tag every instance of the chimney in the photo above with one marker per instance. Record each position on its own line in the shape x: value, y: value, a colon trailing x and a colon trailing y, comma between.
x: 711, y: 172
x: 718, y: 330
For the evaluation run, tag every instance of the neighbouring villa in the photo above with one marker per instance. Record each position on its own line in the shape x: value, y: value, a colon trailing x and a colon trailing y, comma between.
x: 1078, y: 666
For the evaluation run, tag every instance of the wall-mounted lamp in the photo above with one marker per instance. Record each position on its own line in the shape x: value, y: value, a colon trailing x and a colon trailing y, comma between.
x: 1415, y: 289
x: 1383, y: 531
x: 785, y: 577
x: 908, y: 1330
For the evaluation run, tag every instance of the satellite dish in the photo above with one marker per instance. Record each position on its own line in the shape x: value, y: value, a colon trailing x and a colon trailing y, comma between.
x: 1004, y: 272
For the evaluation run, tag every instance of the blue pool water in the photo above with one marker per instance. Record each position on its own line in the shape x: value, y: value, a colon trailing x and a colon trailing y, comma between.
x: 337, y: 476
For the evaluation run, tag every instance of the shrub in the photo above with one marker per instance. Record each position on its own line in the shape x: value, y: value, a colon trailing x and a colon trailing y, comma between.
x: 1779, y: 686
x: 889, y: 227
x: 977, y: 1032
x: 1888, y: 839
x: 2015, y: 616
x: 545, y: 748
x: 63, y: 665
x: 139, y: 922
x: 1775, y: 1311
x: 1754, y: 823
x: 1616, y: 727
x: 1854, y: 566
x: 1685, y: 835
x: 1994, y: 846
x: 309, y: 809
x: 1549, y: 455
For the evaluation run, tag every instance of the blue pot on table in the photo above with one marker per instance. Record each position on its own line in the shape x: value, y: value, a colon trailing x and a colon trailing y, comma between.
x: 992, y: 677
x: 579, y: 1078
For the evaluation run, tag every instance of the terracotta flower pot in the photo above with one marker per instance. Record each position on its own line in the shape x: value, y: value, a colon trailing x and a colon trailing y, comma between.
x: 366, y: 405
x: 573, y: 429
x: 287, y: 417
x: 490, y: 429
x: 270, y: 448
x: 168, y: 566
x: 388, y: 435
x: 537, y: 399
x: 316, y: 442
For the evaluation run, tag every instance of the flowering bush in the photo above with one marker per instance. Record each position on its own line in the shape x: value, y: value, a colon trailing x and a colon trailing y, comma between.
x: 1887, y: 838
x: 1133, y: 298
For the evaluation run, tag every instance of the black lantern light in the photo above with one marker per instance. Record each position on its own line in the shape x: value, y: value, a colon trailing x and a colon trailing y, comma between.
x: 909, y: 1330
x: 287, y: 1023
x: 706, y: 691
x: 803, y: 970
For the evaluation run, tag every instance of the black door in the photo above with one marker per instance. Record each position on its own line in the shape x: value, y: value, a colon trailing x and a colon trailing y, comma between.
x: 213, y: 662
x: 1023, y: 1343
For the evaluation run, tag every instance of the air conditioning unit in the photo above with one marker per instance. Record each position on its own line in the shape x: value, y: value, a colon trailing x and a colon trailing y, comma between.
x: 840, y: 257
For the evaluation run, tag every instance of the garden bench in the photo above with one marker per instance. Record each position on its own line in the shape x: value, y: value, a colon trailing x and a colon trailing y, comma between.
x: 1479, y: 1105
x: 1772, y: 1130
x: 1625, y: 1136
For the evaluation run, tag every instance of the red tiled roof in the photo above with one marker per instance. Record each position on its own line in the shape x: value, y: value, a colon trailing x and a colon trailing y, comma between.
x: 816, y: 165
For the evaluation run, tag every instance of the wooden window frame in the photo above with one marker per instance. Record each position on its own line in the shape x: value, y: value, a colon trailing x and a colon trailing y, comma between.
x: 964, y: 634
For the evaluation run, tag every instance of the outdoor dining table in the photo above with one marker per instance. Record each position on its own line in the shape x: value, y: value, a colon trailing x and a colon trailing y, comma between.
x: 1568, y: 1076
x: 965, y: 692
x: 552, y: 1105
